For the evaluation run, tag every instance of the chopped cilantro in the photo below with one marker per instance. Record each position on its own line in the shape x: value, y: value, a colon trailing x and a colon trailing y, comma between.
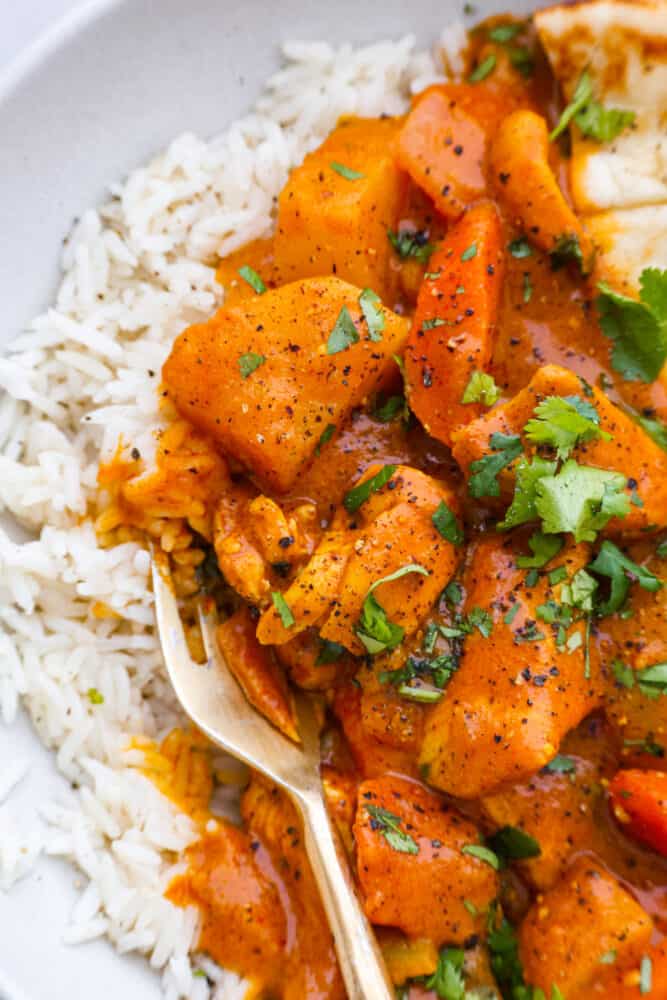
x: 483, y: 69
x: 447, y: 981
x: 654, y: 428
x: 522, y: 509
x: 560, y: 765
x: 484, y: 482
x: 374, y: 629
x: 562, y: 422
x: 559, y: 574
x: 593, y: 119
x: 566, y: 250
x: 647, y: 746
x: 283, y: 609
x: 453, y: 592
x: 447, y: 525
x: 637, y: 328
x: 249, y: 362
x: 645, y: 975
x: 359, y: 494
x: 579, y: 592
x: 610, y: 562
x: 346, y: 172
x: 481, y: 388
x: 520, y: 248
x: 608, y: 957
x: 371, y: 307
x: 623, y: 674
x: 388, y: 409
x: 522, y: 59
x: 651, y: 681
x: 325, y: 436
x: 527, y: 287
x: 330, y: 652
x: 482, y: 853
x: 411, y: 243
x: 469, y: 252
x: 580, y: 499
x: 543, y: 547
x: 509, y: 617
x: 583, y: 92
x: 430, y: 324
x: 253, y: 279
x: 512, y: 844
x: 343, y: 334
x: 95, y: 697
x: 389, y: 825
x: 503, y: 33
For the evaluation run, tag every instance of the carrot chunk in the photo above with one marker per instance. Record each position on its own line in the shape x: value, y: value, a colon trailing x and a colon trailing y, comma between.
x: 639, y: 800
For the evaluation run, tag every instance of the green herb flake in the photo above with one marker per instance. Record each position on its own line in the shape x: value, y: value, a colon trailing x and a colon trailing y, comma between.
x: 509, y: 617
x: 481, y: 388
x: 346, y: 172
x: 520, y: 248
x: 638, y: 329
x: 330, y: 652
x: 622, y: 571
x: 522, y: 59
x: 453, y: 593
x: 567, y: 250
x: 447, y: 982
x: 513, y: 844
x: 469, y: 253
x: 389, y: 825
x: 557, y: 575
x: 250, y: 362
x: 528, y: 474
x: 95, y: 697
x: 483, y: 69
x: 482, y: 853
x: 374, y: 630
x: 431, y: 324
x: 411, y: 243
x: 645, y: 975
x: 253, y: 279
x: 560, y: 765
x: 608, y: 957
x: 387, y: 410
x: 654, y: 428
x: 543, y: 547
x: 359, y: 494
x: 527, y: 287
x: 483, y: 481
x: 343, y: 334
x: 371, y: 307
x: 325, y: 436
x: 422, y: 694
x: 580, y: 499
x: 283, y: 609
x: 447, y: 525
x: 647, y: 746
x: 470, y: 907
x: 503, y: 33
x: 583, y: 93
x: 563, y: 422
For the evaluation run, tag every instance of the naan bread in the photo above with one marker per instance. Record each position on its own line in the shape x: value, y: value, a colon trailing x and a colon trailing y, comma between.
x: 619, y: 188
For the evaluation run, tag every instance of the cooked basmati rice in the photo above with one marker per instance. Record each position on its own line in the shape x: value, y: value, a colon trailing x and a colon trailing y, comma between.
x: 83, y: 375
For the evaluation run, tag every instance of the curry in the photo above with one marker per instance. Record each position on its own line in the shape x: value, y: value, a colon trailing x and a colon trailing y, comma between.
x: 431, y: 486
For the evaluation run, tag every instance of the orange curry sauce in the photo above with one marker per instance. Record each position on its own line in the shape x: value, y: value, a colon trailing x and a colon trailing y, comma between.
x: 259, y: 907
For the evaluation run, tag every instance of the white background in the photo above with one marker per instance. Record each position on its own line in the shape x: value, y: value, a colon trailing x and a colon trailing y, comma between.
x: 21, y: 21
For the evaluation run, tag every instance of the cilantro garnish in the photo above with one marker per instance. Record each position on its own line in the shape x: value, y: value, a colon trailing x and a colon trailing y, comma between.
x: 651, y: 681
x: 654, y: 428
x: 610, y: 562
x: 527, y: 287
x: 560, y: 765
x: 481, y: 388
x: 249, y: 362
x: 647, y: 745
x: 374, y: 629
x: 484, y: 482
x: 325, y: 436
x: 567, y: 250
x: 580, y: 499
x: 483, y: 69
x: 283, y: 609
x: 447, y: 525
x: 346, y: 172
x: 579, y: 591
x: 469, y: 253
x: 522, y: 509
x: 503, y: 33
x: 543, y: 547
x: 411, y: 243
x: 594, y: 120
x: 447, y: 981
x: 388, y: 409
x: 637, y: 328
x: 359, y: 494
x: 562, y: 422
x: 482, y: 853
x: 330, y: 652
x: 389, y: 825
x: 608, y: 957
x: 645, y: 975
x: 253, y: 279
x: 520, y: 248
x: 371, y: 307
x: 343, y: 334
x: 510, y: 843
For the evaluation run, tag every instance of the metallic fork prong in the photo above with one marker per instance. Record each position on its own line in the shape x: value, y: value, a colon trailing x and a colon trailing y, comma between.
x: 214, y: 701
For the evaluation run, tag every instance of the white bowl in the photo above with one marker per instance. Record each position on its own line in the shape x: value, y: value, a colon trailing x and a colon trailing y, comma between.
x: 104, y: 90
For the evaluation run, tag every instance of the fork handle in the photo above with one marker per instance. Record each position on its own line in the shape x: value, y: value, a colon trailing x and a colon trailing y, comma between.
x: 359, y: 956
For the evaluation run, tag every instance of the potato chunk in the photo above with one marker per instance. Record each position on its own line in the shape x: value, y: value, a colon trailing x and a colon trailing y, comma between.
x: 587, y: 914
x: 516, y: 693
x: 422, y: 887
x: 272, y: 417
x: 329, y: 223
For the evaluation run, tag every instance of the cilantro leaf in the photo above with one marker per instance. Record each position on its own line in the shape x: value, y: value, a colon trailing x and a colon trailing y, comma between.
x: 560, y: 765
x: 623, y: 674
x: 359, y: 494
x: 483, y: 482
x: 411, y: 243
x: 583, y: 93
x: 522, y: 508
x: 543, y: 547
x: 579, y: 591
x: 469, y: 253
x: 347, y: 172
x: 513, y: 844
x: 388, y: 409
x: 622, y: 571
x: 567, y: 250
x: 283, y: 609
x: 580, y: 499
x: 374, y: 629
x: 330, y: 652
x: 325, y: 436
x: 447, y: 525
x: 594, y: 120
x: 562, y: 422
x: 654, y: 428
x: 481, y: 388
x: 520, y: 248
x: 343, y: 334
x: 253, y: 279
x: 389, y: 825
x: 483, y: 69
x: 371, y: 307
x: 652, y: 681
x: 638, y: 329
x: 482, y: 853
x: 249, y: 362
x: 503, y: 33
x: 447, y: 981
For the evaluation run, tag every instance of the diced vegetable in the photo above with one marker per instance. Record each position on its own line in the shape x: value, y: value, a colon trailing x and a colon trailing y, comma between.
x: 639, y: 801
x: 453, y: 328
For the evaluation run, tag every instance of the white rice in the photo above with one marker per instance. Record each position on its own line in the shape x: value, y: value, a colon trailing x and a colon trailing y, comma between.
x: 135, y: 272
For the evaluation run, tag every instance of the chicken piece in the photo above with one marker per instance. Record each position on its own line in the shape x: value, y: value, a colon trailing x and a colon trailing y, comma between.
x: 257, y: 672
x: 516, y: 692
x: 336, y: 208
x: 371, y: 757
x: 630, y: 450
x: 266, y: 378
x: 453, y: 329
x: 413, y: 871
x: 527, y: 186
x: 566, y: 931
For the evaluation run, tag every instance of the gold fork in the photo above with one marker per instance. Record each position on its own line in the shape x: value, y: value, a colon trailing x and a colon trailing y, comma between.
x: 217, y: 706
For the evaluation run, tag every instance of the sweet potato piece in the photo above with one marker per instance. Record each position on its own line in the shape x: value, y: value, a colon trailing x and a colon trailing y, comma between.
x: 371, y: 757
x: 585, y: 915
x: 631, y: 451
x: 257, y: 672
x: 421, y: 892
x: 328, y: 224
x: 513, y: 698
x: 639, y: 800
x: 272, y: 419
x: 453, y: 327
x: 623, y: 983
x: 526, y: 184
